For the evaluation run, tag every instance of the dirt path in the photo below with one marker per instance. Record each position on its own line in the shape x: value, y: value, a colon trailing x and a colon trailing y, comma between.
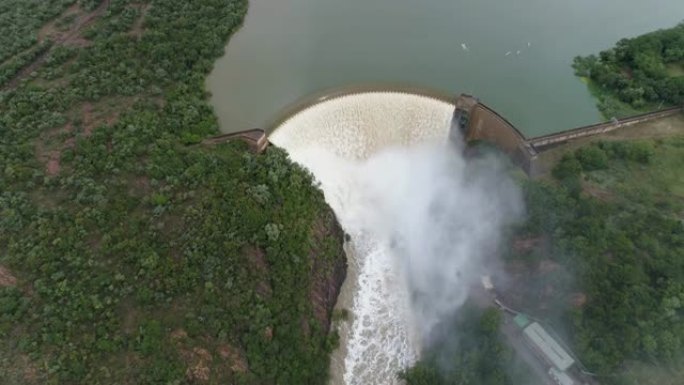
x: 6, y: 278
x: 137, y: 29
x: 70, y: 36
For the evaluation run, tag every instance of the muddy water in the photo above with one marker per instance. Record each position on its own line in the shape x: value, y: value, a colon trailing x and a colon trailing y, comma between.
x: 514, y: 55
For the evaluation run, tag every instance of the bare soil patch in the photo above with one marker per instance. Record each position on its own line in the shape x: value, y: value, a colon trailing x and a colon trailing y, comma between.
x: 6, y: 278
x: 138, y: 28
x: 236, y: 358
x: 198, y: 361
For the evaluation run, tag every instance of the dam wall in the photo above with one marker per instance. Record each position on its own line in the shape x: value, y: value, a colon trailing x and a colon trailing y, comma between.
x: 255, y: 138
x: 484, y: 124
x: 477, y: 122
x: 472, y: 120
x: 545, y: 141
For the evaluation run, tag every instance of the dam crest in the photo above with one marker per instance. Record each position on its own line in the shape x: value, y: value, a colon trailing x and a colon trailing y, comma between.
x: 471, y: 120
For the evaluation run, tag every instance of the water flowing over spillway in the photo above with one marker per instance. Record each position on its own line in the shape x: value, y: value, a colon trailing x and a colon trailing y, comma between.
x: 332, y: 139
x: 403, y: 192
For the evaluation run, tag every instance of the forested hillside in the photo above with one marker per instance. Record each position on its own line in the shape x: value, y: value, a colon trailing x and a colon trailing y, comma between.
x: 645, y: 72
x: 613, y: 219
x: 129, y: 253
x: 600, y: 257
x: 472, y: 350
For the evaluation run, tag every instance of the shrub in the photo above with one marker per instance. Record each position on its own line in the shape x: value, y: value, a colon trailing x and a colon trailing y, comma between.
x: 568, y: 167
x: 592, y: 158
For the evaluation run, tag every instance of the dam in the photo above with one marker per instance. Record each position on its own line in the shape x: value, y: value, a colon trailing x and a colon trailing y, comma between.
x: 385, y: 163
x: 471, y: 121
x: 384, y: 160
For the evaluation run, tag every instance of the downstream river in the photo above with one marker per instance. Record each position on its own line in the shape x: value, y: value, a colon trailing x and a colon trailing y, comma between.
x: 290, y: 49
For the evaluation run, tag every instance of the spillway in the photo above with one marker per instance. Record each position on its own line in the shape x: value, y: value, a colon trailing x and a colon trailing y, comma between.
x: 336, y: 139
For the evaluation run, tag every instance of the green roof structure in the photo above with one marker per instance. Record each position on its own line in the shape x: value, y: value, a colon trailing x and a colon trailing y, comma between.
x: 521, y: 320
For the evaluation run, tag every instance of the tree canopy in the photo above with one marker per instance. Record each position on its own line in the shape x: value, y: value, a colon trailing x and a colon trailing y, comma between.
x: 139, y: 255
x: 642, y: 71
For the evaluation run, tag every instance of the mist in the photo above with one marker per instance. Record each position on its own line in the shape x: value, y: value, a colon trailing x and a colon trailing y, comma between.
x: 424, y: 222
x: 442, y: 216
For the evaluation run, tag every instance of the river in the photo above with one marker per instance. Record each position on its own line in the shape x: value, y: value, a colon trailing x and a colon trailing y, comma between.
x: 289, y: 49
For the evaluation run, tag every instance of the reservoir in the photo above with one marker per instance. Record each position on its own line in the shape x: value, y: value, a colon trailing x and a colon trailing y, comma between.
x: 514, y: 55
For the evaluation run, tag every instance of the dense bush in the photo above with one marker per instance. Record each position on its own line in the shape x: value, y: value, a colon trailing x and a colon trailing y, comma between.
x: 20, y: 21
x: 592, y: 158
x: 567, y: 167
x: 471, y: 351
x: 144, y: 260
x: 597, y: 156
x: 637, y: 151
x: 635, y: 70
x: 628, y: 258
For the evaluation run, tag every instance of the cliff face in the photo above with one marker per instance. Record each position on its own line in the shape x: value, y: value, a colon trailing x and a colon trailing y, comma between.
x: 328, y: 267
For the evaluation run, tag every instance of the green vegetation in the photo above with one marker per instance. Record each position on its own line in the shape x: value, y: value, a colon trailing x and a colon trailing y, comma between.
x: 20, y: 21
x: 471, y: 352
x: 608, y: 227
x: 139, y: 257
x: 640, y: 373
x: 613, y: 218
x: 638, y: 74
x: 12, y: 67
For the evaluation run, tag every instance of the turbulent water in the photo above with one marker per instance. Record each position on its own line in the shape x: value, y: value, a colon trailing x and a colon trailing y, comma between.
x: 421, y: 219
x: 334, y: 140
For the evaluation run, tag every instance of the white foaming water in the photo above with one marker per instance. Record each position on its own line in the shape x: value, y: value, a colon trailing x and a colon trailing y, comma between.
x: 421, y: 218
x: 334, y: 139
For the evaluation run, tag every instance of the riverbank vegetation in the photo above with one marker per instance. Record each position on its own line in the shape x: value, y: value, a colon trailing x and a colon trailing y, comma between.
x: 470, y: 350
x: 638, y: 74
x: 129, y: 254
x: 612, y: 220
x: 600, y: 258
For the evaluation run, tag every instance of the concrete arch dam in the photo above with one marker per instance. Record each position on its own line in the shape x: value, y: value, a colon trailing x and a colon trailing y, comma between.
x: 471, y: 120
x: 368, y: 119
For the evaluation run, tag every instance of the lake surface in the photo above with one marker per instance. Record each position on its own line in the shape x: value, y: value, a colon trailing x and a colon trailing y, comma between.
x: 288, y: 50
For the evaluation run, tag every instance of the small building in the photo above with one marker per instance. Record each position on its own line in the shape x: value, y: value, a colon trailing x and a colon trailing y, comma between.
x: 561, y: 378
x: 547, y: 347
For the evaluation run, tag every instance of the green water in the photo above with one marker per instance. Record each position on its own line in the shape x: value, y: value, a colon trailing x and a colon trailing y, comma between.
x: 289, y: 49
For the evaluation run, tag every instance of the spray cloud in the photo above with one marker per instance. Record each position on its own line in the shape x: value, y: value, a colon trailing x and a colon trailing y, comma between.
x: 423, y: 219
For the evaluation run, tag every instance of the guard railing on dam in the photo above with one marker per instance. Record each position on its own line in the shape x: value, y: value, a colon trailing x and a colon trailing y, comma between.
x: 600, y: 128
